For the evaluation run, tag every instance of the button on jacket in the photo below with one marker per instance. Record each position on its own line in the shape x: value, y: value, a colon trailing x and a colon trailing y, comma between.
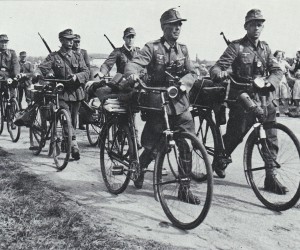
x: 9, y: 64
x: 56, y: 63
x: 158, y: 56
x: 120, y: 57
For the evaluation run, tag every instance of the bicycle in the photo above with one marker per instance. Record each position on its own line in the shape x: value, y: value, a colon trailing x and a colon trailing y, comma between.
x: 51, y: 122
x: 8, y: 108
x: 119, y: 160
x: 286, y: 161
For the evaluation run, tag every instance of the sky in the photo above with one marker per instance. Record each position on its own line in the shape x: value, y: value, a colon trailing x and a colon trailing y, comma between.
x: 22, y: 20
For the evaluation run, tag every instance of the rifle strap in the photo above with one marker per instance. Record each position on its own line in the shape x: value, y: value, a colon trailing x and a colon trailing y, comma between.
x: 65, y: 60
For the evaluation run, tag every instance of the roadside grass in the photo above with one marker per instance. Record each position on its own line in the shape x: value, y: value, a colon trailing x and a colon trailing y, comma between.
x: 36, y: 215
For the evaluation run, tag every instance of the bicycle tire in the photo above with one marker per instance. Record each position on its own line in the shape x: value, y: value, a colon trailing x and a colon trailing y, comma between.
x: 208, y: 134
x: 2, y: 112
x: 38, y: 132
x: 183, y: 214
x: 61, y: 139
x: 288, y: 158
x: 14, y: 130
x: 116, y: 174
x: 93, y: 132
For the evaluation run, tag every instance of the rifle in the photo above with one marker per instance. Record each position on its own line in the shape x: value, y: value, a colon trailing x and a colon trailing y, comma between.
x: 225, y: 39
x: 112, y: 45
x: 48, y: 48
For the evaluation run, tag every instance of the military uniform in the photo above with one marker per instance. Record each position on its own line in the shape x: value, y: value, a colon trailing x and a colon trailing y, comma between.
x: 9, y: 65
x: 157, y: 57
x: 242, y: 56
x: 25, y: 84
x: 120, y: 57
x: 63, y: 64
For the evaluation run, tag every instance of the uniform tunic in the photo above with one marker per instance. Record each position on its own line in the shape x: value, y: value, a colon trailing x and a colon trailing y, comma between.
x: 246, y: 62
x: 25, y: 68
x: 120, y: 57
x: 157, y: 57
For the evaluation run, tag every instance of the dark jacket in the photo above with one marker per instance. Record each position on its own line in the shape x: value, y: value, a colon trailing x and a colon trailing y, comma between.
x: 120, y: 57
x: 9, y: 64
x: 26, y: 68
x: 55, y: 63
x: 158, y: 57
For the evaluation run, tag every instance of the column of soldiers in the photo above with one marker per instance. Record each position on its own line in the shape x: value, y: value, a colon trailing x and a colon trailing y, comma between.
x: 248, y: 57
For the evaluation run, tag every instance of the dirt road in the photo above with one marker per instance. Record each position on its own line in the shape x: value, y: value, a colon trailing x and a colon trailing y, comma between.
x: 236, y: 220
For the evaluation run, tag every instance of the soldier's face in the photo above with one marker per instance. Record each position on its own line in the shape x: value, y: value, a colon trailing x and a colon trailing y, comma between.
x: 66, y: 43
x: 172, y: 31
x: 129, y: 40
x: 22, y: 58
x: 76, y: 44
x: 254, y: 28
x: 3, y: 45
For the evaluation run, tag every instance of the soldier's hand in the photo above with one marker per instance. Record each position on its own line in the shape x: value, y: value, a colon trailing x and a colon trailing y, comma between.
x: 182, y: 87
x: 133, y: 78
x: 73, y: 78
x: 222, y: 75
x: 100, y: 75
x: 19, y: 76
x: 36, y: 77
x: 50, y: 75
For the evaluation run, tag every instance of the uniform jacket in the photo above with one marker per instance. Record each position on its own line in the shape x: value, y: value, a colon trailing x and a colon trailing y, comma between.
x: 9, y: 64
x: 54, y: 63
x: 242, y: 56
x: 85, y: 57
x: 158, y: 56
x: 26, y: 68
x: 120, y: 57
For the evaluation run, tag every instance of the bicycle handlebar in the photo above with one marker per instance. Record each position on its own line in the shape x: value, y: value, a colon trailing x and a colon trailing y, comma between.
x: 144, y: 86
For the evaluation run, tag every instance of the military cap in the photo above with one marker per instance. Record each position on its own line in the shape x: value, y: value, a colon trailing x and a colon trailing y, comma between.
x: 3, y: 37
x: 171, y: 16
x: 129, y: 31
x: 254, y: 14
x: 68, y: 33
x: 77, y: 37
x: 23, y: 53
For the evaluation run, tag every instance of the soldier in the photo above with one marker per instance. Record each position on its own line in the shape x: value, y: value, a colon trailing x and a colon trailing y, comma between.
x: 26, y: 69
x: 158, y: 56
x: 9, y: 65
x: 249, y: 58
x: 76, y: 48
x: 67, y: 64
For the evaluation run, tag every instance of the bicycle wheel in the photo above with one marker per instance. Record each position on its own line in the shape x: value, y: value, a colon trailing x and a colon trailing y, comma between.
x: 116, y: 150
x: 93, y: 130
x: 61, y: 139
x: 38, y: 132
x: 14, y: 130
x: 207, y: 133
x: 287, y: 172
x: 2, y: 112
x: 176, y: 181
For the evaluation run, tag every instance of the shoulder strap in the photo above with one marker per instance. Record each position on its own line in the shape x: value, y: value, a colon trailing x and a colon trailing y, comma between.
x: 64, y: 59
x: 260, y: 57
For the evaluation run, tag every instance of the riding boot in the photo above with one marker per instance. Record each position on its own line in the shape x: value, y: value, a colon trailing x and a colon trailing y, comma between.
x: 145, y: 159
x: 75, y: 149
x: 272, y: 184
x: 184, y: 171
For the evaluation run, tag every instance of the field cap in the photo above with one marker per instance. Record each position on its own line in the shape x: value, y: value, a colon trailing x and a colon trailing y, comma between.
x: 129, y: 31
x: 171, y: 16
x: 254, y: 14
x: 3, y: 37
x: 77, y: 37
x: 68, y: 33
x: 23, y: 53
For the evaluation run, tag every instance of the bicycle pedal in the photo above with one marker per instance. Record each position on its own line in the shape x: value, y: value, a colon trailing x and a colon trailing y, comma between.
x: 117, y: 170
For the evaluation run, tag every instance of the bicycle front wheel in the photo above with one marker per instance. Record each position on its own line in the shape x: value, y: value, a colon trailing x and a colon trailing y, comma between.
x: 38, y: 132
x: 287, y: 160
x: 93, y: 130
x: 2, y: 112
x: 14, y: 130
x: 184, y: 200
x: 116, y: 151
x: 61, y: 139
